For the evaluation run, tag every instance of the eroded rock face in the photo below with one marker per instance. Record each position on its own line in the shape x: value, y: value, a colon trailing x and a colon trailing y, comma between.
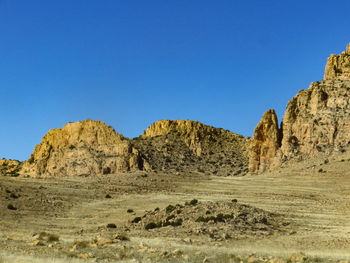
x: 338, y: 66
x: 317, y: 119
x: 83, y: 148
x: 10, y: 167
x: 265, y: 144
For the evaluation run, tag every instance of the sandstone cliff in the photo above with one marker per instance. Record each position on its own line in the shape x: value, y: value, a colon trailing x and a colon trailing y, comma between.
x: 338, y: 66
x: 185, y: 145
x: 265, y: 144
x: 83, y: 148
x: 317, y: 119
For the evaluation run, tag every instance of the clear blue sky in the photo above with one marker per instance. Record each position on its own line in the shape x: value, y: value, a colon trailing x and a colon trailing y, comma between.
x: 130, y: 63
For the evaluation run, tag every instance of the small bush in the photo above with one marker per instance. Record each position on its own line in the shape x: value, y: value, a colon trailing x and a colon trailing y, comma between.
x: 194, y: 202
x: 71, y: 147
x: 130, y: 211
x: 177, y: 222
x: 122, y: 237
x: 11, y: 207
x: 136, y: 220
x: 170, y: 208
x: 81, y: 243
x: 53, y: 237
x: 13, y: 195
x: 170, y: 217
x: 151, y: 226
x: 111, y: 225
x: 108, y: 196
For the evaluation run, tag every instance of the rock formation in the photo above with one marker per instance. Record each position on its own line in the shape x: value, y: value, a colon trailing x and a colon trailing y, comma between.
x: 185, y: 145
x: 10, y: 167
x: 265, y: 144
x: 338, y: 66
x: 317, y: 119
x: 83, y: 148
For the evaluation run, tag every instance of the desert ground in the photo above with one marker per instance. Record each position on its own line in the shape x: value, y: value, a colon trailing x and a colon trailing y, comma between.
x: 92, y: 219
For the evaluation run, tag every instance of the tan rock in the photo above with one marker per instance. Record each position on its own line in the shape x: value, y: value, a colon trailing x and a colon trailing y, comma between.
x: 10, y: 167
x: 317, y: 119
x: 338, y: 66
x: 83, y: 148
x: 187, y: 146
x: 265, y: 143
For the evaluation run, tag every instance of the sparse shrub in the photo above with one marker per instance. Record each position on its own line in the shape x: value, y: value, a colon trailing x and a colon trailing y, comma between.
x: 53, y: 237
x: 177, y: 222
x: 234, y: 200
x: 111, y: 225
x: 13, y: 195
x: 106, y: 170
x: 156, y: 209
x: 136, y: 220
x: 320, y: 170
x: 238, y: 172
x: 178, y: 211
x: 170, y: 208
x: 326, y: 161
x: 193, y: 202
x: 170, y: 217
x: 219, y: 218
x: 108, y: 196
x: 81, y: 243
x: 151, y: 225
x: 122, y: 237
x: 11, y: 207
x: 130, y: 211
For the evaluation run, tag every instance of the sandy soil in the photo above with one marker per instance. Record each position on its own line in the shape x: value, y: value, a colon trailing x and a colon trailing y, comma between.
x: 75, y: 212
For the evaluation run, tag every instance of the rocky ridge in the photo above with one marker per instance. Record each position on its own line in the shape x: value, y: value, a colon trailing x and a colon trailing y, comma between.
x: 185, y: 145
x: 316, y: 120
x: 91, y: 148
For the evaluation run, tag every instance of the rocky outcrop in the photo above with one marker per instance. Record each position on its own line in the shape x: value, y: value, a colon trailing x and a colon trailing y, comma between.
x: 317, y: 120
x: 10, y: 167
x: 265, y: 144
x: 186, y: 146
x: 83, y: 148
x: 196, y: 135
x: 338, y: 66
